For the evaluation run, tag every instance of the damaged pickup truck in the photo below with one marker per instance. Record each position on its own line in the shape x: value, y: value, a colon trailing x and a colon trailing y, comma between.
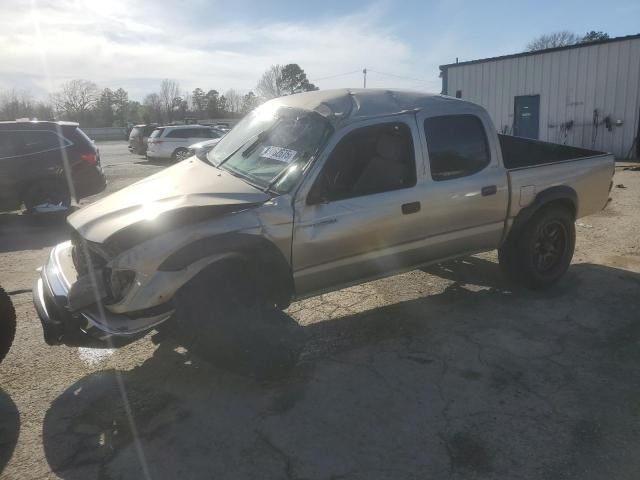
x: 313, y: 192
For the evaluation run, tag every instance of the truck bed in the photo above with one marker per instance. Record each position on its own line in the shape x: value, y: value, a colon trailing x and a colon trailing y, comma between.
x: 518, y: 152
x: 534, y: 166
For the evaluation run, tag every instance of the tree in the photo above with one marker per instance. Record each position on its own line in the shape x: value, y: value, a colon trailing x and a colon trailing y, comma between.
x: 180, y: 107
x: 199, y: 102
x: 135, y: 112
x: 269, y: 86
x: 223, y: 105
x: 594, y: 36
x: 104, y: 108
x: 294, y: 80
x: 169, y: 90
x: 43, y: 111
x: 278, y: 81
x: 249, y: 102
x: 76, y: 99
x: 153, y: 108
x: 211, y: 99
x: 15, y: 105
x: 551, y: 40
x: 120, y: 107
x: 234, y: 100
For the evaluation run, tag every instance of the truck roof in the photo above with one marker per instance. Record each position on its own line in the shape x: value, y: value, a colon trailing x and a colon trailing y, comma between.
x: 353, y: 104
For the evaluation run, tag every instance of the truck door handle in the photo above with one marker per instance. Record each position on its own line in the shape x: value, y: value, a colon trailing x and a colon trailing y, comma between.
x: 490, y: 190
x: 409, y: 208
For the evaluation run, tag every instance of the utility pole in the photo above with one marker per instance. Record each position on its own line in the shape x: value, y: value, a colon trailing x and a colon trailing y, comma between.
x: 364, y: 72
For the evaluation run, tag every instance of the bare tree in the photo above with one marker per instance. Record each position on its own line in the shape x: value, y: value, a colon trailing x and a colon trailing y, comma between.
x: 551, y: 40
x: 169, y: 91
x: 76, y: 98
x: 234, y: 100
x: 14, y: 104
x: 269, y: 86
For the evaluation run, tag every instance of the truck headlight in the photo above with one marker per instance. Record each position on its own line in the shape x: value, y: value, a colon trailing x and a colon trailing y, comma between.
x: 119, y: 282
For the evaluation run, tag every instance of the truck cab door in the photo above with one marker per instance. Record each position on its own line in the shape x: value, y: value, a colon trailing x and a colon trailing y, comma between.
x: 357, y: 214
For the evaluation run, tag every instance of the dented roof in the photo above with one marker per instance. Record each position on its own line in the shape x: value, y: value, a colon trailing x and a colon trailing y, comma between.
x: 347, y: 105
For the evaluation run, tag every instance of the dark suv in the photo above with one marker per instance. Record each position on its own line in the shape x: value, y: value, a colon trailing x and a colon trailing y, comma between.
x: 139, y: 136
x: 33, y: 156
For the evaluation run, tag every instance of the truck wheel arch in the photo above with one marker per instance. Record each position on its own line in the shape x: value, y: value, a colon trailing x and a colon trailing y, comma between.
x: 273, y: 273
x: 562, y: 195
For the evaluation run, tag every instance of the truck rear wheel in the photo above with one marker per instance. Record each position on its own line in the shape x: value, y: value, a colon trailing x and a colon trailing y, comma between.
x: 542, y: 252
x: 7, y: 323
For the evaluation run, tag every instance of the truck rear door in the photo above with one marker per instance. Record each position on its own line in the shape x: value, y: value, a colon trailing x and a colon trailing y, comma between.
x: 468, y: 193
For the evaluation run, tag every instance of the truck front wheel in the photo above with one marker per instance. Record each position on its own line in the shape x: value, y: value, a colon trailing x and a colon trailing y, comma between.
x: 542, y: 252
x: 220, y: 317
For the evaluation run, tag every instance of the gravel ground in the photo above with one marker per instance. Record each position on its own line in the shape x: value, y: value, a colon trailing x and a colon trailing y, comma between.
x: 442, y: 373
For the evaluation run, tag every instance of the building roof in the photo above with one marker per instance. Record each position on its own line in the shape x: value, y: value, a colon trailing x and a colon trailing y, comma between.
x: 538, y: 52
x: 347, y: 105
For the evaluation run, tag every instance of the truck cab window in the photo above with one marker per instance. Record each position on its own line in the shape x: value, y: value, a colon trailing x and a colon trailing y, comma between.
x: 369, y: 160
x: 457, y: 146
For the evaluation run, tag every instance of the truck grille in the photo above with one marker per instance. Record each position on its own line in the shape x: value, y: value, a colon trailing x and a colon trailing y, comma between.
x: 79, y: 255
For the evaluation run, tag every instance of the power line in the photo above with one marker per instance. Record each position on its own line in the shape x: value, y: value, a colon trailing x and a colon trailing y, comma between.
x: 334, y: 76
x: 399, y: 76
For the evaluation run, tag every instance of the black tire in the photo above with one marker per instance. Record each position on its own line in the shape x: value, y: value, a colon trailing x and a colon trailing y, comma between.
x: 221, y: 318
x: 180, y: 154
x: 542, y: 252
x: 7, y: 324
x: 50, y: 191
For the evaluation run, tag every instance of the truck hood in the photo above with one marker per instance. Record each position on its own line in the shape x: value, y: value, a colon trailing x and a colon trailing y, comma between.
x: 191, y: 185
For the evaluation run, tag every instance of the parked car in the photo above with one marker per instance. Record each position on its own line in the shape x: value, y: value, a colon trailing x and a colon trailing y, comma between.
x: 314, y: 192
x: 33, y: 156
x: 172, y: 142
x: 7, y: 323
x: 139, y: 136
x: 201, y: 149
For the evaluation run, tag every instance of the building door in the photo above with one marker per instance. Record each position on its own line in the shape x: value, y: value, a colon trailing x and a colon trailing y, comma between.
x: 527, y: 116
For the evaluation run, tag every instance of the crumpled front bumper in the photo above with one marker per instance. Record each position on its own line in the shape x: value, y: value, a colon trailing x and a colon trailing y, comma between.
x: 51, y: 300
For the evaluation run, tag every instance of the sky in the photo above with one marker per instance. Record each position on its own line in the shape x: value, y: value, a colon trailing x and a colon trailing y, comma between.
x: 134, y: 44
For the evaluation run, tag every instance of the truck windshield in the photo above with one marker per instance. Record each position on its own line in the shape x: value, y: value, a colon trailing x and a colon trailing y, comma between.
x: 271, y: 146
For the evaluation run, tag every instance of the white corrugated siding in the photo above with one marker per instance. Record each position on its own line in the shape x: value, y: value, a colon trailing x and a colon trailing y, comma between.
x: 571, y: 83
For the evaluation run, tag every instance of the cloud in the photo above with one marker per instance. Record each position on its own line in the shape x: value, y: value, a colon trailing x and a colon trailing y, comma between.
x: 135, y: 44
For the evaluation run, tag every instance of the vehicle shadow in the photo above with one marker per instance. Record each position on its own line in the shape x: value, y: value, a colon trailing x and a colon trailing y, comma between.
x: 470, y: 382
x: 29, y: 232
x: 158, y: 162
x: 9, y: 428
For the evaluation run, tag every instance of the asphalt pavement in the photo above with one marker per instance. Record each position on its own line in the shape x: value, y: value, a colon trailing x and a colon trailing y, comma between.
x: 447, y: 372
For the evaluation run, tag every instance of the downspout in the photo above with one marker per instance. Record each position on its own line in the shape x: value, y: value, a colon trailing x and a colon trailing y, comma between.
x: 443, y: 75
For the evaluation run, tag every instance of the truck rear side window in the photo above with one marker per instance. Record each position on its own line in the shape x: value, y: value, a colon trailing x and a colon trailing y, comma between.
x: 457, y: 146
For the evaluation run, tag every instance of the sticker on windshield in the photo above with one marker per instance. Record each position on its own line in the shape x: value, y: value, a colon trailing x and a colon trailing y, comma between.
x: 278, y: 153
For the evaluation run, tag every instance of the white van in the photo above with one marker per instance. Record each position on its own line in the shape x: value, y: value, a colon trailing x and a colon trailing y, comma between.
x: 173, y: 141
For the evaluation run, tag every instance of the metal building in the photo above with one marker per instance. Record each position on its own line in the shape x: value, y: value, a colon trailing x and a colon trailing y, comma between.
x: 586, y: 95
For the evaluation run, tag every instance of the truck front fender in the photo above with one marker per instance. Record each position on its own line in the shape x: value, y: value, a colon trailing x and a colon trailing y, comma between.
x: 273, y: 271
